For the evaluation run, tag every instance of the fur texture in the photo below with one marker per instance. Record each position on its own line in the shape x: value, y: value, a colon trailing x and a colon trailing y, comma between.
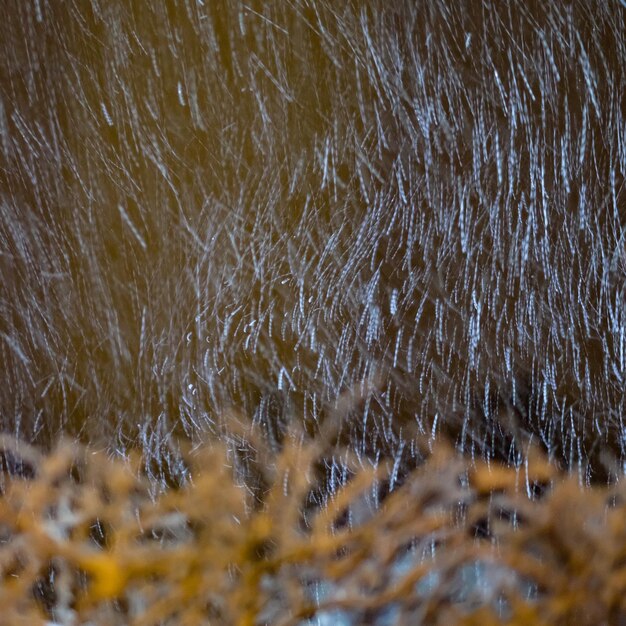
x: 275, y: 206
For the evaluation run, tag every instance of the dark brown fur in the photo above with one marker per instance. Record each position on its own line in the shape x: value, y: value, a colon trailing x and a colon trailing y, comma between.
x: 266, y: 205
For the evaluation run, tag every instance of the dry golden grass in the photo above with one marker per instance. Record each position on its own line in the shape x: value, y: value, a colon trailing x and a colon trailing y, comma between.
x: 89, y: 539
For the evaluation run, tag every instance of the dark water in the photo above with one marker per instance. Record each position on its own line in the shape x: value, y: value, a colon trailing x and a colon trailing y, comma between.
x: 265, y: 204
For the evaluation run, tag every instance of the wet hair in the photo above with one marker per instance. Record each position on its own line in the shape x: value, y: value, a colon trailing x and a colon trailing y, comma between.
x: 271, y: 207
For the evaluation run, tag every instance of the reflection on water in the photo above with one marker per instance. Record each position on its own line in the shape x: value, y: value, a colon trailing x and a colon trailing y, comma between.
x: 263, y: 205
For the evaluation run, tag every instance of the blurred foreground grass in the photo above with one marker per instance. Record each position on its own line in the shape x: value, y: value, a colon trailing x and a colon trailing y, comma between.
x: 86, y: 539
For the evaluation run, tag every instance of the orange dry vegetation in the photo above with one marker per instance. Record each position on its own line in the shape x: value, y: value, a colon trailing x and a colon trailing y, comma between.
x: 86, y: 538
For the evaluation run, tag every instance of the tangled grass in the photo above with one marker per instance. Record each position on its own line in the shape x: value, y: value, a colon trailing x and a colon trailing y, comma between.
x: 87, y: 539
